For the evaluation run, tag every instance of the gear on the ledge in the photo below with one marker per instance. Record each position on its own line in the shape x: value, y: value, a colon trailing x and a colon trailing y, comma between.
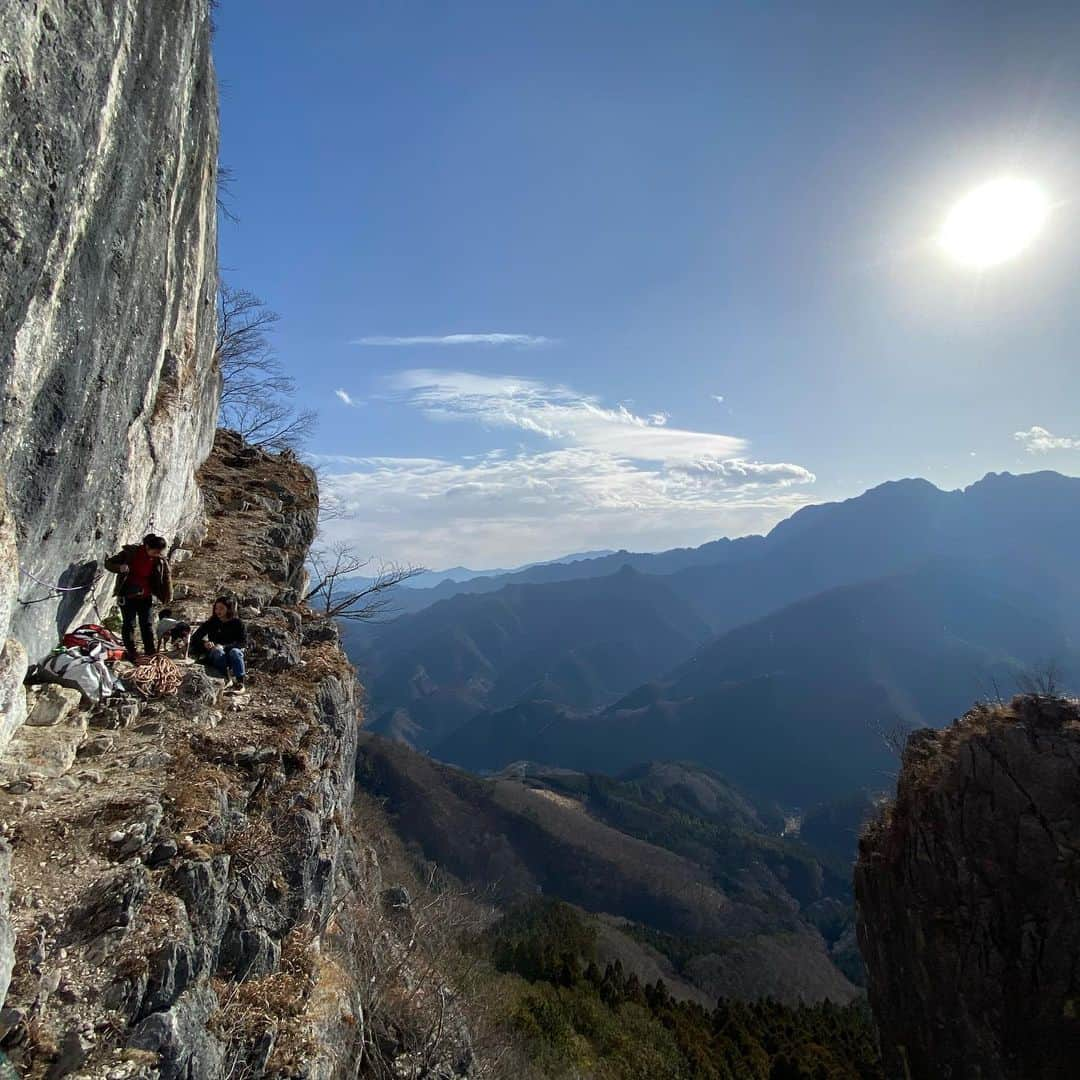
x: 157, y: 677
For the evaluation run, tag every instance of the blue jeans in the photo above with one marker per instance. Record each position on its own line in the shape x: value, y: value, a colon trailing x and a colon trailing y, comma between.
x: 230, y: 660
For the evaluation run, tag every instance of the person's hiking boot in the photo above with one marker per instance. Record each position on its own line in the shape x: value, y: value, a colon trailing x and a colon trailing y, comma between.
x: 237, y: 688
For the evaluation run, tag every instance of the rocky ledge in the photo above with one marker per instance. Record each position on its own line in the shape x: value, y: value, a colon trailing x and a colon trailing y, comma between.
x: 968, y: 893
x: 177, y: 865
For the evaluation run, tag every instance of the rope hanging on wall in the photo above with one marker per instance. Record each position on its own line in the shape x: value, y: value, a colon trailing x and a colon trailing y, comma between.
x: 56, y: 591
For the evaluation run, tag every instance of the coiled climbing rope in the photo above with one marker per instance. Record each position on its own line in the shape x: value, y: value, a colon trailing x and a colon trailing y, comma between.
x: 158, y: 677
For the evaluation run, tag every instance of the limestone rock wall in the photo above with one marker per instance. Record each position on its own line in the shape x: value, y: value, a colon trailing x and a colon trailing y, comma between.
x: 968, y: 895
x: 108, y: 274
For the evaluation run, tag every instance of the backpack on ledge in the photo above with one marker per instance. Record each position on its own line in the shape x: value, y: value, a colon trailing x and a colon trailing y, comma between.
x: 81, y: 670
x: 90, y: 634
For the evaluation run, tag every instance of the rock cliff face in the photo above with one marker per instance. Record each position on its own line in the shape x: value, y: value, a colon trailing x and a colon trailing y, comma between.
x: 176, y: 864
x: 968, y: 891
x: 108, y: 272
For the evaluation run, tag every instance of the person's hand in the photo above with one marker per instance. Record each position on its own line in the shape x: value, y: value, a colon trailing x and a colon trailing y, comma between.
x: 123, y: 569
x: 209, y: 644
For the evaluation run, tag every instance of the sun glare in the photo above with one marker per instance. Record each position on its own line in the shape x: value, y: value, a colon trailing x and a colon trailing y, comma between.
x: 995, y: 222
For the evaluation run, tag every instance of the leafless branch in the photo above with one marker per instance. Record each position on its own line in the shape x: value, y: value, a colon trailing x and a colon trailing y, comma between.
x: 894, y: 734
x: 225, y: 177
x: 331, y: 508
x: 1041, y: 680
x: 339, y: 593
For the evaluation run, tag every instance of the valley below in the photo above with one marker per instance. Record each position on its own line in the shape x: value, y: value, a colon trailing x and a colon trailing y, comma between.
x: 686, y: 746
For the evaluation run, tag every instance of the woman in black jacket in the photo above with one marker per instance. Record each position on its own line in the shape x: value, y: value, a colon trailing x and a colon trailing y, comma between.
x: 220, y: 642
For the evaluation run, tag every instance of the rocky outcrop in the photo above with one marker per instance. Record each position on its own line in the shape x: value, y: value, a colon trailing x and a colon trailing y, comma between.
x: 177, y: 873
x: 108, y: 383
x: 968, y: 891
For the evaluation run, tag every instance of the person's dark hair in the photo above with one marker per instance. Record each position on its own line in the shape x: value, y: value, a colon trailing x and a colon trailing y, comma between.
x: 230, y: 606
x: 153, y: 542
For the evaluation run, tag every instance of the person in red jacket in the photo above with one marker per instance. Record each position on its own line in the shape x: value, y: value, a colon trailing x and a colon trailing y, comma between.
x: 142, y: 573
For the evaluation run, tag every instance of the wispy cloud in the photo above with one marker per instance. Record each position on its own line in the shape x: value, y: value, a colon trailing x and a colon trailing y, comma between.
x: 345, y: 397
x: 718, y: 398
x: 599, y: 476
x: 526, y: 341
x: 559, y: 414
x: 1037, y: 440
x: 525, y: 506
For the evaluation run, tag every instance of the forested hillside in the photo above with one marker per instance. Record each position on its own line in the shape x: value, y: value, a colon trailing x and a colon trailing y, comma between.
x: 695, y: 876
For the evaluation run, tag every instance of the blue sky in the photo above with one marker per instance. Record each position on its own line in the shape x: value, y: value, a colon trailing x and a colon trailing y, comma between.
x: 639, y: 275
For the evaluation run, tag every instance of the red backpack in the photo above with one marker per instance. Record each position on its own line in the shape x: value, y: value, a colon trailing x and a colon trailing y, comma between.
x: 90, y: 634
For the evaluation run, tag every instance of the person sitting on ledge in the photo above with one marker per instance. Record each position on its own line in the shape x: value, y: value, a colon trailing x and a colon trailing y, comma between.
x: 220, y: 643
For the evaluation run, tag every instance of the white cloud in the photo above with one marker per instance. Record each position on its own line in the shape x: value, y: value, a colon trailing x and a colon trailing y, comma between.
x: 347, y: 398
x: 559, y: 414
x: 1037, y: 440
x: 718, y: 398
x: 498, y: 508
x: 602, y: 477
x: 520, y: 340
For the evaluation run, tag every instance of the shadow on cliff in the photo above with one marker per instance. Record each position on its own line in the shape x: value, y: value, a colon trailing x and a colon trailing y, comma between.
x: 78, y: 583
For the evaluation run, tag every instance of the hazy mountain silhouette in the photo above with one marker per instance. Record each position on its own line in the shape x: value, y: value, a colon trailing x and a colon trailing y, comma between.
x: 574, y: 568
x: 579, y: 643
x: 1027, y: 520
x: 898, y: 605
x: 427, y: 582
x: 796, y: 706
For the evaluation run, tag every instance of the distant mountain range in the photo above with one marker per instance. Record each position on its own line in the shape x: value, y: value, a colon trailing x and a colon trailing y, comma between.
x: 582, y: 643
x: 798, y: 705
x: 570, y: 568
x: 782, y: 661
x: 429, y: 580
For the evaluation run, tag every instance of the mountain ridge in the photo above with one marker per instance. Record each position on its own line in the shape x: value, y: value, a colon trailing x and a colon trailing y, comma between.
x: 905, y: 549
x: 619, y: 849
x: 806, y: 693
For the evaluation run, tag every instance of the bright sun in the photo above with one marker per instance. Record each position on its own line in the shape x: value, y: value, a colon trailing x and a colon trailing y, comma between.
x: 994, y: 222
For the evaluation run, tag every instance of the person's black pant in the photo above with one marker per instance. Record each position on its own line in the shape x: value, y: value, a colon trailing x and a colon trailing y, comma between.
x: 138, y: 609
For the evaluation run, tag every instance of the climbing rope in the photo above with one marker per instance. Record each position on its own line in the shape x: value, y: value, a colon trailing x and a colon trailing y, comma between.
x: 56, y: 591
x: 158, y: 677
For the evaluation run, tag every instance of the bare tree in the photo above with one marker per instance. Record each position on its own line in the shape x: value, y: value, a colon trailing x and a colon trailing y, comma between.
x: 225, y: 177
x: 992, y: 695
x: 256, y: 391
x: 339, y: 591
x: 1042, y: 680
x: 331, y: 506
